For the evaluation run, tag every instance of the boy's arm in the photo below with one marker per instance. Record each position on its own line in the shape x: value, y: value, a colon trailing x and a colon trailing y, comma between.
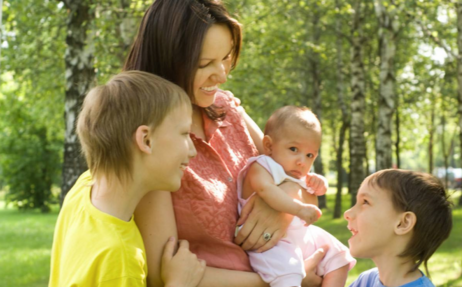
x: 155, y: 219
x: 262, y: 182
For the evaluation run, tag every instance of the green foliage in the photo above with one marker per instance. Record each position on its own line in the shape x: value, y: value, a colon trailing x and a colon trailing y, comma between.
x: 31, y: 102
x: 281, y: 40
x: 30, y: 158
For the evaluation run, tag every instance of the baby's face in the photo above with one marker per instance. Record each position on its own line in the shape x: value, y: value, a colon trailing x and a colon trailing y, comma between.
x: 296, y: 149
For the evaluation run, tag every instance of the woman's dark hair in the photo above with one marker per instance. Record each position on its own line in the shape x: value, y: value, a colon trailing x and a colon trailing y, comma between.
x: 170, y: 38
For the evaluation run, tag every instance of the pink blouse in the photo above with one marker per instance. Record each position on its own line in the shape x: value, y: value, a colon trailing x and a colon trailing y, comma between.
x: 206, y: 204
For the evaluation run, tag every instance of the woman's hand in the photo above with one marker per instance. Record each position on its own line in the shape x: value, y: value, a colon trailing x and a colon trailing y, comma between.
x: 182, y: 269
x: 311, y: 279
x: 260, y: 219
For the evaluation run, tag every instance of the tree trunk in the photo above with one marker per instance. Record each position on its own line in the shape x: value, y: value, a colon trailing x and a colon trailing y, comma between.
x: 431, y: 132
x: 345, y: 116
x: 338, y: 195
x: 357, y: 141
x: 459, y: 74
x: 443, y: 147
x: 316, y: 78
x: 397, y: 124
x: 80, y: 75
x: 388, y: 29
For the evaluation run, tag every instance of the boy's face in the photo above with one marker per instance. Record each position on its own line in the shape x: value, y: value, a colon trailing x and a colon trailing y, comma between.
x: 372, y: 222
x: 295, y: 150
x: 171, y: 150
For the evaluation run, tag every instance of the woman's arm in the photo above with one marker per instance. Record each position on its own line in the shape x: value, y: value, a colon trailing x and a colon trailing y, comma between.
x: 156, y: 221
x: 254, y: 130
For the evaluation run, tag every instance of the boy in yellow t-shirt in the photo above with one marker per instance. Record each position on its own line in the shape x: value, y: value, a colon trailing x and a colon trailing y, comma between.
x: 134, y: 133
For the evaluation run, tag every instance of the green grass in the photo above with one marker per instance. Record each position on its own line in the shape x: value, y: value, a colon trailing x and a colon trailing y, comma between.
x: 445, y: 266
x: 26, y: 238
x: 25, y: 247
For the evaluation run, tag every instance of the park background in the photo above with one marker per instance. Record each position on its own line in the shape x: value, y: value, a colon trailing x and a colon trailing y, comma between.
x: 384, y: 77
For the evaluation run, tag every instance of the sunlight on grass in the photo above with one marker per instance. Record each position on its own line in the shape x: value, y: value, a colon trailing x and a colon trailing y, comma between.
x: 25, y: 246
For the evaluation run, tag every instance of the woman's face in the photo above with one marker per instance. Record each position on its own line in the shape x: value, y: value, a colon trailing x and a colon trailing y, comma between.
x: 214, y: 64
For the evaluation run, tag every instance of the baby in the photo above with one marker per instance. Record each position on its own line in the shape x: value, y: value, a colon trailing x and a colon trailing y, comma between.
x: 280, y: 177
x: 399, y: 220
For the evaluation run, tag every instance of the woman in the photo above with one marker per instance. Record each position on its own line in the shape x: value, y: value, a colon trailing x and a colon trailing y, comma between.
x: 195, y: 43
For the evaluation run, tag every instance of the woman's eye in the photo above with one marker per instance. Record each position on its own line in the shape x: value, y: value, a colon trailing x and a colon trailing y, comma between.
x: 310, y: 155
x: 204, y: 66
x: 294, y: 149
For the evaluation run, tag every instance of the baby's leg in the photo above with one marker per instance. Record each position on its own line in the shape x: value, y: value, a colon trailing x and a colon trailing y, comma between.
x: 336, y: 278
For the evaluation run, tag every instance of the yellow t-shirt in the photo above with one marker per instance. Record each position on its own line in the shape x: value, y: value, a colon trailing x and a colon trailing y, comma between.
x: 92, y: 248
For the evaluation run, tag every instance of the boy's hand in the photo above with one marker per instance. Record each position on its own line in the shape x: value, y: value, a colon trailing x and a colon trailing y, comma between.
x: 317, y: 182
x: 182, y: 269
x: 311, y: 279
x: 309, y: 213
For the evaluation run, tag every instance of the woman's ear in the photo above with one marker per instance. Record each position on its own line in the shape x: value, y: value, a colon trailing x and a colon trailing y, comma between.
x: 142, y: 139
x: 267, y: 145
x: 406, y: 223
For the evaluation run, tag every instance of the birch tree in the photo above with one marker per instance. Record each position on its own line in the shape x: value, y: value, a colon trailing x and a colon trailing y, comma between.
x: 459, y: 73
x: 314, y: 63
x: 389, y: 25
x: 80, y: 75
x: 357, y: 140
x: 345, y: 118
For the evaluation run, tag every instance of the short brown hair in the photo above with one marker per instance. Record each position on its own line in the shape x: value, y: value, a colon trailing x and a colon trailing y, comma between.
x: 170, y: 38
x: 425, y: 196
x: 291, y: 115
x: 111, y: 113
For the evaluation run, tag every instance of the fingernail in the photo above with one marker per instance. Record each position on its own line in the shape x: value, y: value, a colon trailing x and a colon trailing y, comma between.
x: 171, y: 238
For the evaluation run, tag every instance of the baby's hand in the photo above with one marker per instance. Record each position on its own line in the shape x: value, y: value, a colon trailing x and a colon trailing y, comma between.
x: 309, y: 213
x: 182, y: 269
x: 317, y: 182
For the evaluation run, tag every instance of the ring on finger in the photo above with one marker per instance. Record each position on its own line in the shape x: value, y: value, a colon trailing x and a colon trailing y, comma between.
x: 267, y: 236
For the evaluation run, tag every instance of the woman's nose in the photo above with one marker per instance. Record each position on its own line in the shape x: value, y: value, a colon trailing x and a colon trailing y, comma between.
x: 221, y: 73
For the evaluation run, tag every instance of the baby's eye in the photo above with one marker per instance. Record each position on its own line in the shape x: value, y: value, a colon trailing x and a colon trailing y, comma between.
x: 294, y: 149
x: 310, y: 155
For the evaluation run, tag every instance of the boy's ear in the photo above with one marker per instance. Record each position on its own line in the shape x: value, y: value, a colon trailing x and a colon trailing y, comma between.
x: 267, y: 145
x: 142, y: 139
x: 406, y: 223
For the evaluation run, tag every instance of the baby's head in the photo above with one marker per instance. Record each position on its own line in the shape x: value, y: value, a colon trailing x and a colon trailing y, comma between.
x: 293, y: 138
x: 137, y: 118
x: 399, y: 213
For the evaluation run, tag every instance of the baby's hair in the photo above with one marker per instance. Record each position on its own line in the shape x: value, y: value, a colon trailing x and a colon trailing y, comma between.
x: 425, y: 196
x: 291, y: 115
x: 111, y: 114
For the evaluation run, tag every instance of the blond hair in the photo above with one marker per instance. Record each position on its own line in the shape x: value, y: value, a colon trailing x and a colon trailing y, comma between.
x: 111, y: 114
x: 291, y: 115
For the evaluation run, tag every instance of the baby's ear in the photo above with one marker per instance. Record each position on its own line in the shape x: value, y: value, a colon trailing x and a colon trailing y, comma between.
x: 406, y: 223
x: 267, y: 145
x: 142, y: 139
